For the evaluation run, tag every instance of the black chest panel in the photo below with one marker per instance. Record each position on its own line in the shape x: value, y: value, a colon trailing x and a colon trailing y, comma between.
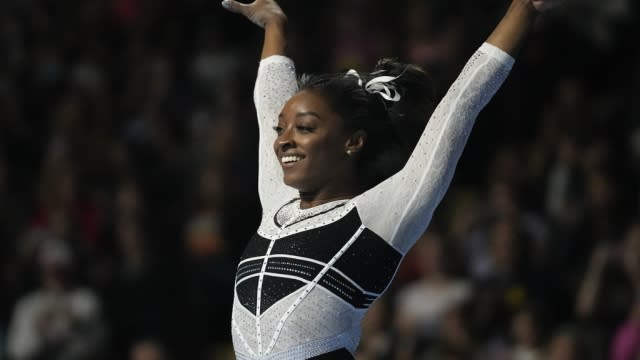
x: 358, y: 276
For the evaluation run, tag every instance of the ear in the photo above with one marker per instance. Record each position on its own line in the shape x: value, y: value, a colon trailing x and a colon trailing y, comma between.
x: 355, y: 142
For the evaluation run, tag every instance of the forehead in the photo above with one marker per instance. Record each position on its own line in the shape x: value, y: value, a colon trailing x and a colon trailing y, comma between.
x: 308, y: 101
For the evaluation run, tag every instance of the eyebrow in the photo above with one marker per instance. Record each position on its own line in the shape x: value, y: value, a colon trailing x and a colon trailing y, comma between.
x: 305, y: 113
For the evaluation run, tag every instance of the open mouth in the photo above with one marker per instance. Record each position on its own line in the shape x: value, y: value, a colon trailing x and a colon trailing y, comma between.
x: 290, y: 159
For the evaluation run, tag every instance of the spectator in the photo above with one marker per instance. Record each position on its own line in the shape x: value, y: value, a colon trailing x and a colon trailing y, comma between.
x: 626, y: 341
x: 563, y: 345
x: 421, y: 306
x: 148, y: 350
x: 525, y: 335
x: 59, y: 320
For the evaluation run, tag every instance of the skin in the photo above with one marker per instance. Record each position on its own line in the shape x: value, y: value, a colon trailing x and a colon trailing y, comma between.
x: 326, y: 173
x: 309, y: 129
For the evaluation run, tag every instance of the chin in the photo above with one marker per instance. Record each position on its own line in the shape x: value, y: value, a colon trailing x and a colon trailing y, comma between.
x: 296, y: 183
x: 291, y: 182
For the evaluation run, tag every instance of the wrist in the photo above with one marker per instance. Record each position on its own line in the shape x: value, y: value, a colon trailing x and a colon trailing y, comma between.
x: 277, y: 24
x: 524, y: 8
x: 275, y: 39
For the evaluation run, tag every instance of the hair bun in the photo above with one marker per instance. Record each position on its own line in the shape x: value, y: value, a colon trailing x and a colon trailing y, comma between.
x: 410, y: 114
x: 413, y: 79
x: 391, y: 67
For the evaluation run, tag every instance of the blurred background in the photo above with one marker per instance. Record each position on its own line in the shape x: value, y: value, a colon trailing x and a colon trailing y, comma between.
x: 128, y: 179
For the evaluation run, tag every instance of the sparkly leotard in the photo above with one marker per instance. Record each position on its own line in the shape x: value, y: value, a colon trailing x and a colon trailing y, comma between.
x: 308, y: 276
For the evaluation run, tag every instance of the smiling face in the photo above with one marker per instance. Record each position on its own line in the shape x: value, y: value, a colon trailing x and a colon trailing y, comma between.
x: 312, y: 147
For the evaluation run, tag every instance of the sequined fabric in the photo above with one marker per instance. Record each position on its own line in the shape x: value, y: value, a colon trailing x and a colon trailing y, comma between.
x: 308, y: 276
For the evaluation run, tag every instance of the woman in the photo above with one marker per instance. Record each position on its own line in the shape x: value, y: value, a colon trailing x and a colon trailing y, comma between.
x: 334, y: 231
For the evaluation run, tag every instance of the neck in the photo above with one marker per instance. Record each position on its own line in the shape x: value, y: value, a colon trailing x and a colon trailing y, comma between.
x: 344, y: 186
x: 52, y: 283
x: 346, y: 189
x: 310, y: 199
x: 439, y: 278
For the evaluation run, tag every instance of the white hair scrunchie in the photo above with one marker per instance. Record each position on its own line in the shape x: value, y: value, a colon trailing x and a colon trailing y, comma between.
x: 380, y: 85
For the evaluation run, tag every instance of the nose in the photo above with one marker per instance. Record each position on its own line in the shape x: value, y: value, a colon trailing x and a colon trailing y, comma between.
x: 285, y: 141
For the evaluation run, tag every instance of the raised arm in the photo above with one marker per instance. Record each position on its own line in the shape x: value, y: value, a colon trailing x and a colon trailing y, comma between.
x: 275, y: 84
x: 512, y: 29
x: 412, y: 195
x: 268, y: 15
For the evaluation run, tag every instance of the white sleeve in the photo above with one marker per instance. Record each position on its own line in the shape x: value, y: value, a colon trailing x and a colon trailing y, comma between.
x: 400, y: 208
x: 275, y: 84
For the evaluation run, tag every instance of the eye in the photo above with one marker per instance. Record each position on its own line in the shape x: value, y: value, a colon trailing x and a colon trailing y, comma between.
x: 278, y: 129
x: 304, y: 129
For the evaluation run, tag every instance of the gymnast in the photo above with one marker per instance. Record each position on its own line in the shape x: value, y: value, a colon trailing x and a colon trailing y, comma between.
x: 347, y: 185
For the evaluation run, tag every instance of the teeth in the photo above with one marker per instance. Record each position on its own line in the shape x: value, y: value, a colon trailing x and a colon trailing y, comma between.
x: 290, y: 159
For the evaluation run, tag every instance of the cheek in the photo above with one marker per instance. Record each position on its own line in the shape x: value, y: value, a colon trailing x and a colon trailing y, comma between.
x: 332, y: 144
x: 328, y: 150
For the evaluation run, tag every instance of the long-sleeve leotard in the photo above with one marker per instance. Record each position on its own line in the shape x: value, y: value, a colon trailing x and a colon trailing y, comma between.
x: 308, y: 276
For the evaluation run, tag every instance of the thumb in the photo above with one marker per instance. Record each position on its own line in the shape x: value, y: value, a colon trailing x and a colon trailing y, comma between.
x: 235, y: 6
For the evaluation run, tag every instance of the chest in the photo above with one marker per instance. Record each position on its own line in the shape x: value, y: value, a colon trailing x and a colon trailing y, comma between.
x: 341, y: 256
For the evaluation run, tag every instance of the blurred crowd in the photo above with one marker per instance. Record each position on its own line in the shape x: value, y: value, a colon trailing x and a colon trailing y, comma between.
x: 128, y: 179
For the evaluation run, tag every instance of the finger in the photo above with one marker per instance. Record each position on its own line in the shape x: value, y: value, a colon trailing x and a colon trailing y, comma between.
x: 235, y: 6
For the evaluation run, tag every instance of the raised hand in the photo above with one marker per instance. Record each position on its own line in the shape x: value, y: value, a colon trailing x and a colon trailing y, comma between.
x: 260, y: 12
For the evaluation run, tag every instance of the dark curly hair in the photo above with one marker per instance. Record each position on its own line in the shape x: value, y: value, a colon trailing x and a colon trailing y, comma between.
x: 392, y: 128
